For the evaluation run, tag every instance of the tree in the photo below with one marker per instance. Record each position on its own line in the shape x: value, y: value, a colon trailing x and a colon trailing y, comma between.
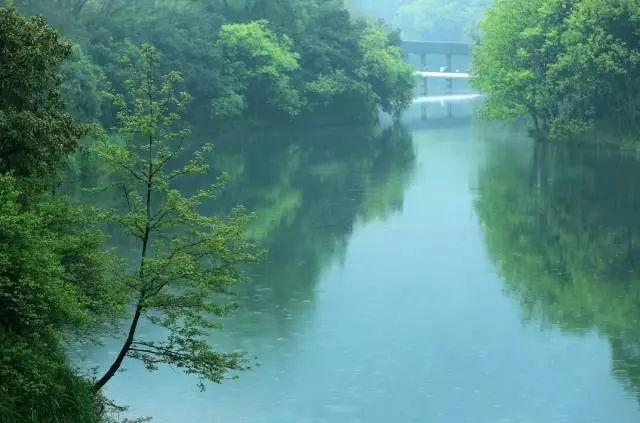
x: 435, y: 20
x: 598, y: 72
x: 53, y: 288
x: 383, y: 67
x: 562, y: 62
x: 511, y: 62
x: 35, y: 130
x: 258, y: 69
x: 53, y: 268
x: 187, y: 260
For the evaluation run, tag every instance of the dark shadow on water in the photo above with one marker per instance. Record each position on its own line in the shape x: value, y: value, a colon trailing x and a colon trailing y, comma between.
x: 309, y: 190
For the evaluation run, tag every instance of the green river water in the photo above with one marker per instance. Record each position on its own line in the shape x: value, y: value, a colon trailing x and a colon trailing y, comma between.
x: 443, y: 270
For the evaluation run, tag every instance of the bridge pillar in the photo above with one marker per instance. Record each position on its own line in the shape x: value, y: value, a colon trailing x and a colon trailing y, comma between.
x: 425, y: 86
x: 423, y: 60
x: 450, y: 67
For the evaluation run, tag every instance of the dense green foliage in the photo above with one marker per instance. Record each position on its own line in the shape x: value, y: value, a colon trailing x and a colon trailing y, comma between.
x: 570, y: 65
x: 562, y: 226
x: 51, y: 287
x: 212, y: 43
x: 52, y: 264
x: 36, y: 130
x: 258, y: 67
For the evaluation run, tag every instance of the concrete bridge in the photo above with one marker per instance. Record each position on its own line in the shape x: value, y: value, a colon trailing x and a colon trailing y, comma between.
x: 446, y: 49
x: 444, y: 75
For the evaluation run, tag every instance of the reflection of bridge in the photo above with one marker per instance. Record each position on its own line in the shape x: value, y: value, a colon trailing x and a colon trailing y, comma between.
x: 426, y: 113
x: 434, y: 124
x: 448, y: 76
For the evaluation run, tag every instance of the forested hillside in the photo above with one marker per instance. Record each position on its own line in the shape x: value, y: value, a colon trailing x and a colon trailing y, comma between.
x: 258, y: 58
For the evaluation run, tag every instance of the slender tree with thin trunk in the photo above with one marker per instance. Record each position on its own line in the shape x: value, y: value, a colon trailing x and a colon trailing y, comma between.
x: 188, y: 262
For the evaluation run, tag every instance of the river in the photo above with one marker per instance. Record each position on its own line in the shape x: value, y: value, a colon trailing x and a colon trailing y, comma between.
x: 442, y: 270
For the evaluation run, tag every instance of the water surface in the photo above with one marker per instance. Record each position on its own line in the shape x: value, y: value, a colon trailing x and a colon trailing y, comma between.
x: 437, y: 271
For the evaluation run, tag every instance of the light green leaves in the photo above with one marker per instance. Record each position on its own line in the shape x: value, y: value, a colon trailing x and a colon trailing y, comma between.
x: 188, y: 262
x: 258, y: 65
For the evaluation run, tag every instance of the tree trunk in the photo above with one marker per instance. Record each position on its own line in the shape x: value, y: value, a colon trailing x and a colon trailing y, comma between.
x: 536, y: 121
x: 123, y: 352
x: 141, y: 275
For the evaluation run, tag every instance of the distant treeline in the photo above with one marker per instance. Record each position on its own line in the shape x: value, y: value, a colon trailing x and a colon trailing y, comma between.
x: 431, y: 20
